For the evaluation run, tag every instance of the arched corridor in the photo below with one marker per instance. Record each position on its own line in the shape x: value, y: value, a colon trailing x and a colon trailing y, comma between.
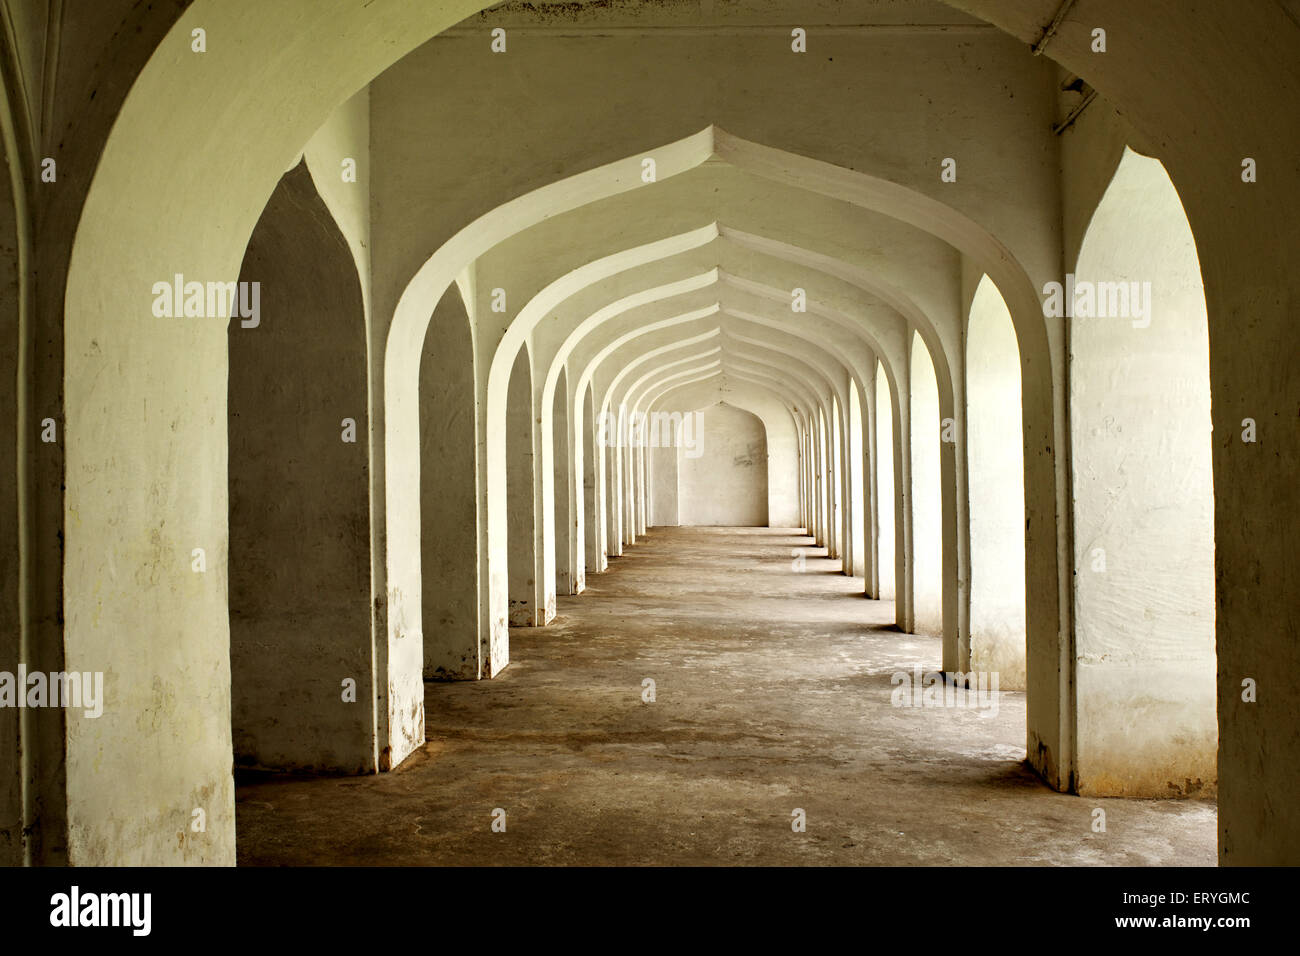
x: 393, y: 388
x: 770, y: 689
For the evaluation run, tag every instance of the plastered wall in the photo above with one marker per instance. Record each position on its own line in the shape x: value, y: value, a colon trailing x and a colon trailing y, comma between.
x: 727, y: 483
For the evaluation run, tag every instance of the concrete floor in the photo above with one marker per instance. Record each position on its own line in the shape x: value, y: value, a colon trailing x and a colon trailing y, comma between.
x: 773, y: 693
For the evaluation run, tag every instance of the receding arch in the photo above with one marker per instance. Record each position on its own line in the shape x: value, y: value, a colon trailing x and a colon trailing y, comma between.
x: 927, y: 522
x: 859, y: 494
x: 591, y: 502
x: 519, y: 464
x: 997, y: 490
x: 824, y: 178
x: 835, y: 463
x: 637, y: 504
x: 87, y: 309
x: 1248, y: 326
x: 566, y: 578
x: 690, y: 316
x: 885, y: 470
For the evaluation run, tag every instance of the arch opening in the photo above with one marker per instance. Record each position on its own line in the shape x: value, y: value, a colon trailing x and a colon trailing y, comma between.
x: 887, y: 504
x: 927, y: 517
x: 1143, y: 496
x: 995, y: 449
x: 857, y: 480
x: 520, y: 498
x: 298, y: 480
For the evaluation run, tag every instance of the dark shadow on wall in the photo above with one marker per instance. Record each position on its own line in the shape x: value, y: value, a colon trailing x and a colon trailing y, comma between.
x: 520, y: 501
x: 302, y: 694
x: 448, y: 495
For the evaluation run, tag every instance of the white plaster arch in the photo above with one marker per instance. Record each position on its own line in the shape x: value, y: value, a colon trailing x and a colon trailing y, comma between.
x: 820, y: 178
x: 345, y: 44
x: 545, y: 539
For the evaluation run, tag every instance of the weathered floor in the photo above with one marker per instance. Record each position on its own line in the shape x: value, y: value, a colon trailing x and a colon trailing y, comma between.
x: 772, y: 692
